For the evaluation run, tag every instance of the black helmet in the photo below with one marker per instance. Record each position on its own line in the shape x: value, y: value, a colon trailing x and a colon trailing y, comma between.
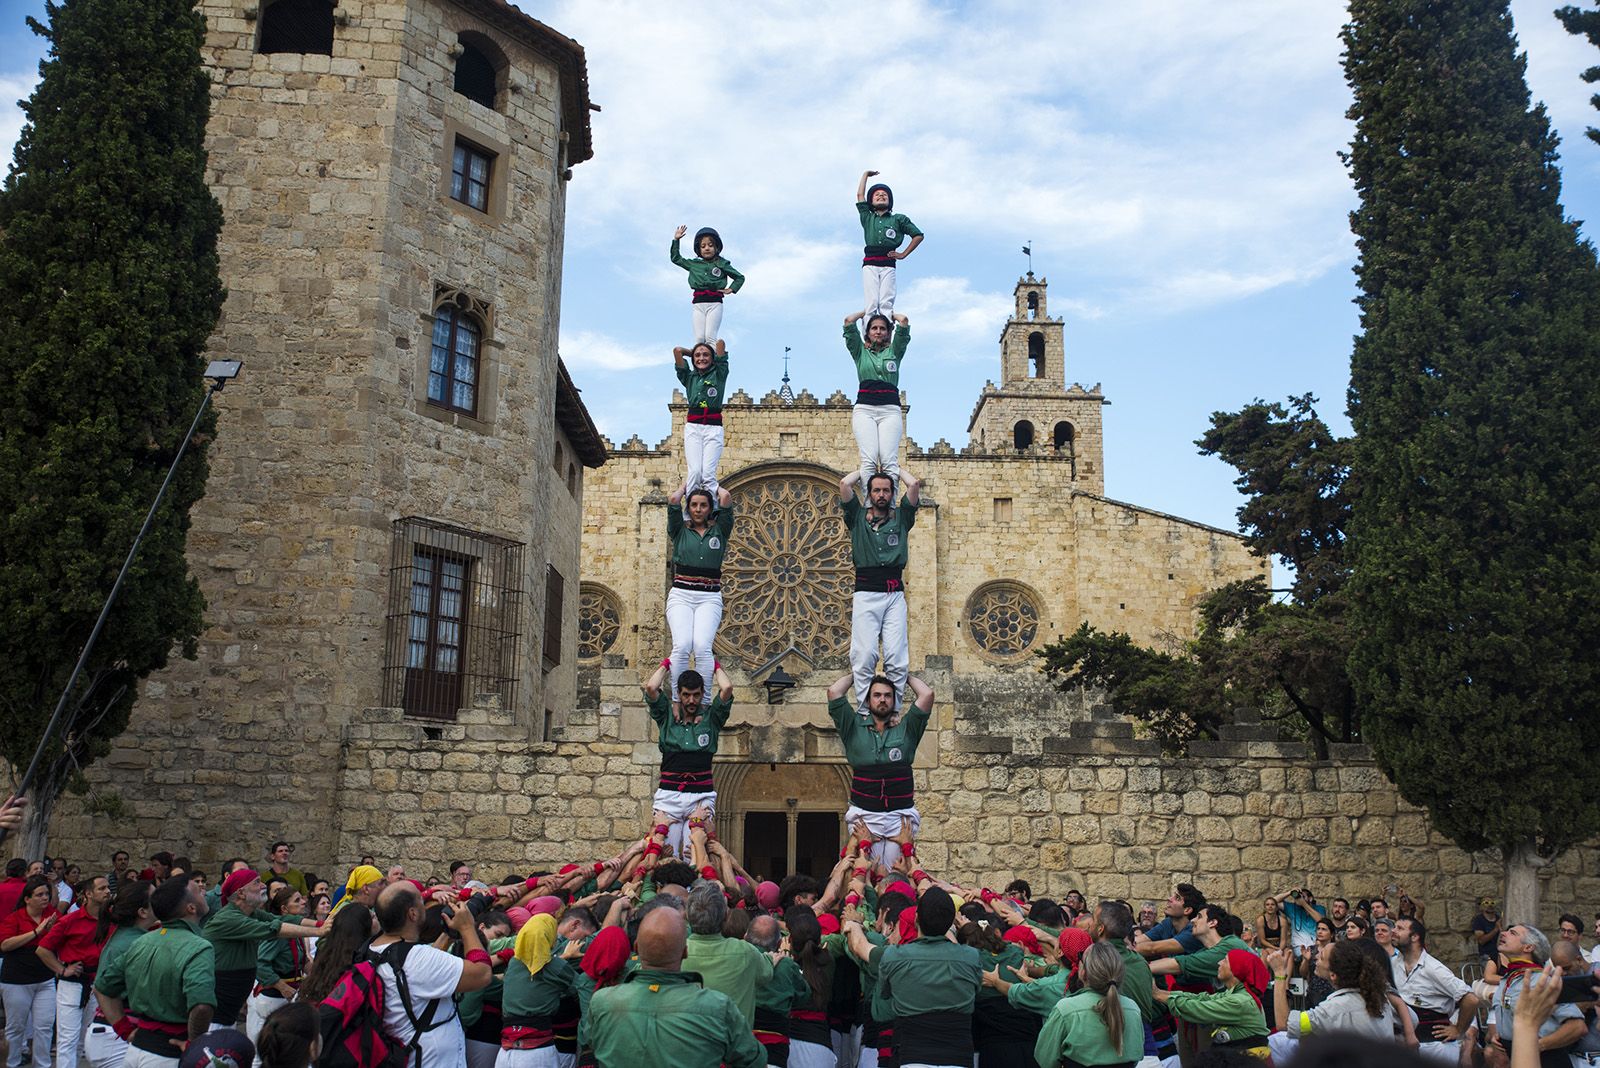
x: 706, y: 231
x: 886, y: 189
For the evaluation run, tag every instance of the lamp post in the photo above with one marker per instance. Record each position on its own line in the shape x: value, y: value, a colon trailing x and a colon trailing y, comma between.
x: 221, y: 372
x: 777, y: 683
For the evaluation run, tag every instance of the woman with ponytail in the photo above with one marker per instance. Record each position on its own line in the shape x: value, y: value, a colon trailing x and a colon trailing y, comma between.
x: 1098, y: 1025
x: 127, y: 917
x: 810, y: 1041
x: 1359, y: 1003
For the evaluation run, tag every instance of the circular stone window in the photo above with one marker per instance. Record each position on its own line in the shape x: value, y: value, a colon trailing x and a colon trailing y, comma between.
x: 1003, y: 620
x: 599, y: 620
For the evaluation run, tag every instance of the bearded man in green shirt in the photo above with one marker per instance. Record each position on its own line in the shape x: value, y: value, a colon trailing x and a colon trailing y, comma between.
x: 237, y: 931
x: 660, y: 1014
x: 879, y: 536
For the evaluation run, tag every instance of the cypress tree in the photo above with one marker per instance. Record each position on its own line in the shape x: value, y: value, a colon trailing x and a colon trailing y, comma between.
x: 1475, y: 397
x: 108, y: 266
x: 1586, y: 24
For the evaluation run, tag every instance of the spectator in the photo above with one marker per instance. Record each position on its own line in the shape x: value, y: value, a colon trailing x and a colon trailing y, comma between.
x: 1270, y: 931
x: 1439, y: 999
x: 1486, y: 927
x: 290, y: 1038
x: 1525, y: 950
x: 160, y: 866
x: 278, y: 864
x: 119, y: 870
x: 1302, y: 910
x: 1569, y: 928
x: 433, y: 976
x: 28, y: 987
x: 346, y: 940
x: 1358, y: 1004
x: 1148, y: 917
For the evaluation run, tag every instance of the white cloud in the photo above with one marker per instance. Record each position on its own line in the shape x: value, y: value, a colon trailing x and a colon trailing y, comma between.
x: 950, y: 321
x: 594, y: 351
x: 14, y: 86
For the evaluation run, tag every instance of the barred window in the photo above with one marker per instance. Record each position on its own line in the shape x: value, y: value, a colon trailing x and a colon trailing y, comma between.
x: 453, y: 365
x: 304, y: 26
x: 470, y: 171
x: 455, y: 613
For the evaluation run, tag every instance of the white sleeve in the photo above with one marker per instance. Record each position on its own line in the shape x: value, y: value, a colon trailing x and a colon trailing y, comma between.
x: 432, y: 973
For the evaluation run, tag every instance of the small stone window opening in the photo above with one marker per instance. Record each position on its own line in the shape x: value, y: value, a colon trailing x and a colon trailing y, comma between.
x: 547, y: 729
x: 1022, y: 435
x: 454, y: 362
x: 470, y: 171
x: 476, y: 77
x: 1036, y: 355
x: 554, y: 591
x: 572, y: 479
x: 1061, y: 437
x: 303, y: 26
x: 561, y: 457
x: 1033, y: 304
x: 1002, y: 509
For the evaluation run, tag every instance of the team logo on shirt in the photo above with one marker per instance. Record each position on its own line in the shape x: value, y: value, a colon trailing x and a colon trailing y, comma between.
x: 888, y: 231
x: 890, y: 366
x: 716, y: 272
x: 894, y: 753
x: 893, y: 539
x: 711, y: 391
x: 713, y: 542
x: 703, y: 740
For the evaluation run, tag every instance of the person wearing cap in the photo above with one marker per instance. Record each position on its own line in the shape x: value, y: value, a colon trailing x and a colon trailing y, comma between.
x: 226, y: 1047
x: 710, y: 276
x: 883, y: 230
x: 1486, y: 927
x: 699, y: 525
x: 237, y: 931
x: 160, y: 993
x: 1233, y: 1015
x: 71, y: 950
x: 880, y: 750
x: 688, y: 733
x: 703, y: 370
x: 930, y: 986
x: 877, y: 421
x: 880, y: 535
x: 660, y: 1014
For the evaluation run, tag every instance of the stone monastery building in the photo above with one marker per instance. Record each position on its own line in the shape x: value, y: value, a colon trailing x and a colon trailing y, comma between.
x: 433, y: 588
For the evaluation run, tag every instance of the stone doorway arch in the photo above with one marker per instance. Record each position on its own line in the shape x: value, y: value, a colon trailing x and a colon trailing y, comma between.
x: 782, y: 818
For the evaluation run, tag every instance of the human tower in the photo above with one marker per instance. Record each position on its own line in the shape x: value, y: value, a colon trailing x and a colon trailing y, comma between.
x: 883, y: 724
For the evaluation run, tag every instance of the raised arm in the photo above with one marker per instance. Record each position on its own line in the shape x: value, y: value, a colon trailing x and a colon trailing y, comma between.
x: 723, y: 683
x: 677, y: 256
x: 861, y: 187
x: 847, y: 486
x: 1278, y: 960
x: 854, y: 317
x: 841, y: 687
x: 912, y: 485
x: 652, y: 685
x: 923, y: 693
x: 680, y: 356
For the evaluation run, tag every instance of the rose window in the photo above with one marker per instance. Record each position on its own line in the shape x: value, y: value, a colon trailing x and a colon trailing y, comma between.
x: 1003, y: 620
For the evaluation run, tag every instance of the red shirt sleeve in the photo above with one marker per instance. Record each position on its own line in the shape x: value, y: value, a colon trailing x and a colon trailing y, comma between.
x: 14, y: 923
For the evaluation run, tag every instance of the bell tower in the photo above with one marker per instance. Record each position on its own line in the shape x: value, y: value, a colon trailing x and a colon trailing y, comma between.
x: 1033, y: 411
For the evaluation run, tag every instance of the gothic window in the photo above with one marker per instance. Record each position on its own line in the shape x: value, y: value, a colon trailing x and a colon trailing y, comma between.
x: 599, y: 620
x: 1036, y: 355
x: 1062, y: 436
x: 454, y: 361
x: 304, y: 26
x: 476, y: 76
x: 1003, y: 621
x: 1022, y: 435
x: 471, y: 168
x: 786, y: 575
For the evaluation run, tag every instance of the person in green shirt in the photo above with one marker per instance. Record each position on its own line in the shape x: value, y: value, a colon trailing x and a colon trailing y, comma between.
x: 703, y: 370
x: 1212, y: 925
x: 280, y: 964
x: 688, y: 734
x: 1096, y: 1025
x: 160, y: 993
x: 698, y: 528
x: 730, y: 965
x: 130, y: 916
x: 660, y: 1014
x: 710, y: 276
x: 882, y: 230
x: 787, y: 990
x: 278, y: 860
x: 879, y: 536
x: 877, y: 420
x: 536, y: 981
x: 1233, y: 1014
x: 930, y: 986
x: 237, y: 931
x: 880, y: 750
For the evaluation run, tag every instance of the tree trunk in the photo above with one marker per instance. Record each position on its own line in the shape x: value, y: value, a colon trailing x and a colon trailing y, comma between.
x: 1522, y: 882
x: 34, y: 840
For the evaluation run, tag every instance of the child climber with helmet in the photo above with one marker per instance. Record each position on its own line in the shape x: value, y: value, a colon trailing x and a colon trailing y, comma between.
x: 710, y: 276
x: 883, y: 231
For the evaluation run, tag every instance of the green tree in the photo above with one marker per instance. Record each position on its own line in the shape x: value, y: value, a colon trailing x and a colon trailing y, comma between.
x: 1283, y: 657
x: 1475, y: 394
x: 108, y: 267
x: 1586, y: 24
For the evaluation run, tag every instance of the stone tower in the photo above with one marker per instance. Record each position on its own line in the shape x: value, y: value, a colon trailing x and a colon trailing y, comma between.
x: 1033, y: 410
x: 392, y: 520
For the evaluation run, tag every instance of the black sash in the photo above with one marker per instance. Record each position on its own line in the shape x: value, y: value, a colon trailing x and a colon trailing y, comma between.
x: 934, y: 1038
x: 882, y: 787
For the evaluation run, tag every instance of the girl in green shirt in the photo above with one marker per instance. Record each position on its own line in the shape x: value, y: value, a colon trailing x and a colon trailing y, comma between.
x: 710, y: 276
x: 698, y: 527
x: 704, y: 375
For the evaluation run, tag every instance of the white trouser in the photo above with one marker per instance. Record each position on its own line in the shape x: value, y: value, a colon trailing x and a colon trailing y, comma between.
x: 811, y: 1055
x: 846, y: 1047
x: 877, y: 283
x: 256, y: 1011
x: 482, y: 1054
x: 30, y: 1010
x: 566, y: 1060
x: 875, y: 616
x: 869, y: 1057
x: 543, y: 1057
x: 1283, y: 1046
x: 1443, y: 1052
x: 72, y: 1019
x: 878, y: 429
x: 103, y: 1048
x: 702, y: 450
x: 693, y: 619
x: 708, y: 318
x: 884, y: 826
x: 143, y: 1058
x: 678, y: 806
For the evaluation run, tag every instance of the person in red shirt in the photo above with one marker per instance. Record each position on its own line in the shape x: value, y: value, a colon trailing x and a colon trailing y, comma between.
x: 25, y: 983
x: 71, y: 949
x: 11, y: 886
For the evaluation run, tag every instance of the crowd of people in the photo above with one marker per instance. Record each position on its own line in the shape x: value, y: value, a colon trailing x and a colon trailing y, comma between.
x: 677, y: 955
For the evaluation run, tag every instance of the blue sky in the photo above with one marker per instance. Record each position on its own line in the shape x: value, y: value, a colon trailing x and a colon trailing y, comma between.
x: 1174, y: 166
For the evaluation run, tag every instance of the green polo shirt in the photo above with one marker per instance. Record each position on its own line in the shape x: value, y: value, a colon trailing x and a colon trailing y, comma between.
x: 895, y: 745
x: 1201, y: 966
x: 121, y: 938
x: 715, y: 273
x: 1233, y: 1011
x: 886, y: 231
x: 294, y: 877
x: 1075, y: 1030
x: 653, y: 1017
x: 237, y: 936
x: 730, y: 965
x: 928, y: 975
x: 878, y: 544
x: 689, y: 737
x: 706, y: 389
x: 692, y: 548
x: 879, y: 365
x: 1008, y: 964
x: 787, y: 990
x: 164, y: 974
x: 538, y: 996
x: 280, y: 958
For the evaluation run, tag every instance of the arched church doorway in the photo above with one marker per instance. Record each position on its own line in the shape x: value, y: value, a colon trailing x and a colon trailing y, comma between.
x: 780, y: 819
